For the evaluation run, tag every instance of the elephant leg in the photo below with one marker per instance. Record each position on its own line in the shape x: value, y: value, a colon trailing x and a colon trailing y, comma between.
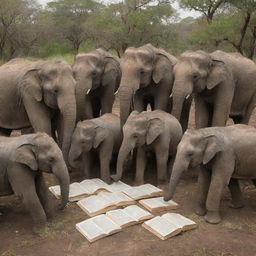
x: 88, y: 112
x: 162, y: 160
x: 204, y: 178
x: 138, y: 102
x: 140, y: 166
x: 96, y: 104
x: 22, y: 181
x: 5, y: 132
x: 107, y: 99
x: 185, y: 113
x: 221, y: 173
x: 105, y: 154
x: 161, y: 99
x: 43, y: 195
x: 237, y: 198
x: 254, y: 182
x: 202, y: 114
x: 248, y: 113
x: 86, y: 164
x: 237, y: 119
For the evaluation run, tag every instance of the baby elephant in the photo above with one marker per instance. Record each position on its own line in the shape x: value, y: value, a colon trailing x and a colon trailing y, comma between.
x: 102, y: 134
x: 224, y: 155
x: 156, y: 131
x: 22, y: 161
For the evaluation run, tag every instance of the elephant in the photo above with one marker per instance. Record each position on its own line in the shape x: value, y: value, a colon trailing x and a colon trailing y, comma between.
x: 223, y: 155
x: 102, y: 134
x: 98, y: 76
x: 147, y: 78
x: 33, y: 93
x: 155, y: 131
x: 23, y: 160
x: 223, y: 84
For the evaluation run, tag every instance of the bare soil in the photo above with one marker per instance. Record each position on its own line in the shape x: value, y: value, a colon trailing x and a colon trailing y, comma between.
x: 235, y: 235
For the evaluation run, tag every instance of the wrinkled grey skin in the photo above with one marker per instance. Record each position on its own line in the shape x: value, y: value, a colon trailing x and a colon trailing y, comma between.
x: 223, y: 155
x: 32, y: 93
x: 147, y: 78
x: 23, y: 159
x: 156, y: 131
x: 102, y: 134
x: 98, y: 76
x: 224, y: 84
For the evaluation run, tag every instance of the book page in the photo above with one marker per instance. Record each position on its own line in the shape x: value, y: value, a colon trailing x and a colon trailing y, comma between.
x: 117, y: 198
x: 106, y: 224
x: 162, y: 226
x: 90, y: 230
x: 94, y: 203
x: 150, y: 189
x: 93, y: 185
x: 158, y: 203
x: 180, y: 221
x: 118, y: 186
x: 121, y: 218
x: 137, y: 213
x: 135, y: 193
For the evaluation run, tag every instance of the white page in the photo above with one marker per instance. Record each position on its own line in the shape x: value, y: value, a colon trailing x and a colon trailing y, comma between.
x: 94, y: 203
x: 134, y: 192
x: 117, y: 197
x: 149, y: 189
x: 178, y: 219
x: 92, y: 185
x: 89, y: 229
x: 118, y: 186
x: 136, y: 212
x: 157, y: 202
x: 161, y: 226
x: 120, y: 217
x: 105, y: 223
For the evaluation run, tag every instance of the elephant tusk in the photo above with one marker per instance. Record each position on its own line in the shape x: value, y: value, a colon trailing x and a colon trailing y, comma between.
x: 116, y: 92
x: 170, y: 96
x: 88, y: 91
x: 187, y: 96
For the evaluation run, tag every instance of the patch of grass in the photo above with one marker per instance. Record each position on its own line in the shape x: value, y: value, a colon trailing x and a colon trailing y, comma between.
x: 68, y: 57
x: 9, y: 252
x: 227, y: 224
x: 26, y: 243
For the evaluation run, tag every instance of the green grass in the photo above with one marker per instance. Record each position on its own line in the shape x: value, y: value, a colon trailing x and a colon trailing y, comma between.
x: 68, y: 57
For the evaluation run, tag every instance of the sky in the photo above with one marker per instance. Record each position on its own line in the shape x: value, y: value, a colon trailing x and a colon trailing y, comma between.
x: 182, y: 13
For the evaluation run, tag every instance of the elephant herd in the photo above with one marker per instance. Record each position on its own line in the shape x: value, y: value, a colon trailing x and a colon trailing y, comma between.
x: 73, y: 105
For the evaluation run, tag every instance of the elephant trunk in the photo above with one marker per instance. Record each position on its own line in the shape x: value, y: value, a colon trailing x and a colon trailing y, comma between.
x: 82, y: 88
x: 180, y: 165
x: 67, y: 107
x: 181, y: 92
x: 74, y: 154
x: 60, y: 170
x: 122, y: 155
x: 127, y: 89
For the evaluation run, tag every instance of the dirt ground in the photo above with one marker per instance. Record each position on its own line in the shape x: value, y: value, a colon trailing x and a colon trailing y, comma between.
x: 234, y: 236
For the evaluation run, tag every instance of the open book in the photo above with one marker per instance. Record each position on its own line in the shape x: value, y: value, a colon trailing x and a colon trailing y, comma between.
x: 97, y: 227
x: 143, y: 191
x: 168, y: 225
x: 88, y: 187
x: 129, y: 216
x: 157, y: 204
x: 104, y: 201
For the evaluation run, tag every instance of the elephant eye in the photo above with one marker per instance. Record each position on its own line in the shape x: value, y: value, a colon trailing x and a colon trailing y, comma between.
x: 56, y: 90
x: 195, y: 76
x: 94, y: 73
x: 142, y: 71
x: 51, y: 159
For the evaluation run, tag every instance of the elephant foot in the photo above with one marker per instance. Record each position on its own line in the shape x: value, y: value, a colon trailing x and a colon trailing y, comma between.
x: 213, y: 217
x: 115, y: 177
x: 200, y: 210
x: 236, y: 205
x: 107, y: 180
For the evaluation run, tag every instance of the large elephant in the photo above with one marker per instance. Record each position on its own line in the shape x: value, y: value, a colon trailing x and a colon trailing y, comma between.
x: 102, y: 134
x: 224, y: 155
x: 98, y: 76
x: 31, y: 95
x: 155, y: 131
x: 224, y: 84
x: 23, y: 159
x: 147, y: 78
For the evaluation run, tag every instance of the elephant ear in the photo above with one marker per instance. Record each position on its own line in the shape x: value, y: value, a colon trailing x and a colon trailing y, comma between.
x: 159, y: 69
x: 213, y: 146
x: 111, y: 71
x: 100, y: 135
x: 216, y: 75
x: 25, y: 155
x: 155, y: 128
x: 30, y: 84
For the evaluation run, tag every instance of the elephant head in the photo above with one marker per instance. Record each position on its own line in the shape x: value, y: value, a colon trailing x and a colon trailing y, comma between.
x: 92, y: 70
x: 140, y: 67
x: 138, y: 130
x: 51, y: 85
x: 195, y: 72
x: 195, y: 148
x: 41, y: 153
x: 87, y: 135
